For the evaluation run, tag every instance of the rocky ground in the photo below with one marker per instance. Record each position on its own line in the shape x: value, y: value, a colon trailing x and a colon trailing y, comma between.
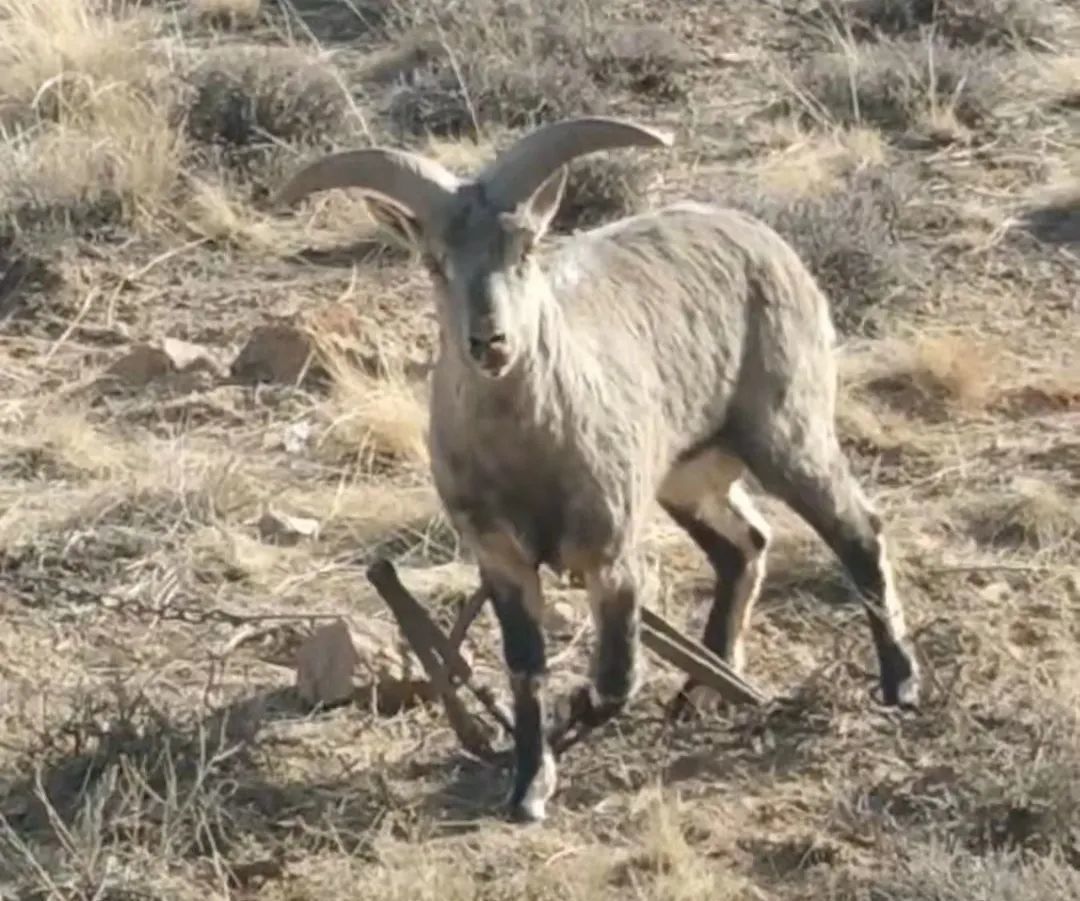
x: 212, y: 420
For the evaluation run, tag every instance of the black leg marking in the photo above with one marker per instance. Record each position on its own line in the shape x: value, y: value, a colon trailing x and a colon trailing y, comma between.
x: 814, y: 479
x: 864, y: 558
x: 729, y: 563
x: 523, y: 648
x: 615, y: 667
x: 614, y: 674
x: 735, y: 545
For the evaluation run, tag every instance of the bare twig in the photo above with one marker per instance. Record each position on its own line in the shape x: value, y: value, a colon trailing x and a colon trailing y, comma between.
x: 419, y: 630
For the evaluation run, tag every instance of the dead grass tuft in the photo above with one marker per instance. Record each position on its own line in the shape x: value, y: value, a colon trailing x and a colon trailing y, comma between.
x: 520, y: 63
x: 62, y: 57
x: 807, y: 162
x: 227, y: 13
x: 247, y: 99
x: 960, y: 22
x: 92, y: 140
x: 848, y: 239
x: 1026, y: 513
x: 925, y: 87
x: 602, y: 189
x: 377, y: 421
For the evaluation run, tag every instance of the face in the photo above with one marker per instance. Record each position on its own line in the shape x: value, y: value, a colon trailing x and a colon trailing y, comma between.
x: 482, y: 268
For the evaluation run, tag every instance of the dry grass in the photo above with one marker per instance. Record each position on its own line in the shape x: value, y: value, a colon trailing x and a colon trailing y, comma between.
x: 151, y: 744
x: 922, y: 86
x: 1013, y: 22
x: 230, y: 13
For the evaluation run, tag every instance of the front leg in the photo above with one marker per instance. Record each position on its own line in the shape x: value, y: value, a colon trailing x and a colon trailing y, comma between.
x: 615, y: 599
x: 517, y: 605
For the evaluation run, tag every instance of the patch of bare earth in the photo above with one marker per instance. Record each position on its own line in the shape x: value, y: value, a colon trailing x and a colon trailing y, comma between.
x: 212, y: 417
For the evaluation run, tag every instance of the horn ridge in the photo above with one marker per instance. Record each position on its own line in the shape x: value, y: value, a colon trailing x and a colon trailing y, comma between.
x: 420, y: 186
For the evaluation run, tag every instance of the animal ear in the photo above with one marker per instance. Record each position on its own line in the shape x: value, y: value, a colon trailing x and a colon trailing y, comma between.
x: 541, y: 207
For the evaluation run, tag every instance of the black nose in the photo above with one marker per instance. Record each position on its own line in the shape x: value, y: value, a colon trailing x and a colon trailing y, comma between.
x: 481, y: 348
x: 493, y: 352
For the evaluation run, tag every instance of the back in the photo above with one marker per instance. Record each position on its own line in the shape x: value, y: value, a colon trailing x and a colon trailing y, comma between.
x: 669, y: 302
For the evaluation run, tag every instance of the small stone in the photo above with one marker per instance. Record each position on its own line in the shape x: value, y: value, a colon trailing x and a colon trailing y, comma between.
x: 276, y: 353
x: 283, y: 528
x: 296, y: 437
x: 561, y: 616
x: 324, y: 665
x: 147, y: 362
x: 140, y: 366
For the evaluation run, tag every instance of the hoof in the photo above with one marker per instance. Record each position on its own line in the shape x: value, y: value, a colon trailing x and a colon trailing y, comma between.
x: 905, y: 694
x: 531, y: 810
x: 528, y: 803
x: 900, y: 678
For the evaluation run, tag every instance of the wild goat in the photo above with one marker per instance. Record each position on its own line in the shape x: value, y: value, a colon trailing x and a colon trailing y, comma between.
x: 578, y: 380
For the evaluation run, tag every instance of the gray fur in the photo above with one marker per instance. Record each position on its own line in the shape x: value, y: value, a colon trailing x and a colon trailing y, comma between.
x: 653, y: 358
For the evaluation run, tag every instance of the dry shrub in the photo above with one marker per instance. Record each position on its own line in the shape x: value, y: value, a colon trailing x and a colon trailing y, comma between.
x: 128, y: 795
x: 922, y: 86
x: 516, y: 95
x: 644, y: 59
x: 518, y: 63
x: 1057, y: 219
x: 227, y: 13
x: 943, y: 872
x: 1028, y: 513
x: 600, y: 189
x: 60, y: 55
x: 245, y: 100
x: 815, y: 163
x: 848, y: 240
x: 93, y: 140
x: 959, y: 22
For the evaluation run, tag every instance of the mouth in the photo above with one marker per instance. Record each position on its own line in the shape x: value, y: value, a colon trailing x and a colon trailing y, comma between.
x: 493, y: 369
x: 492, y: 358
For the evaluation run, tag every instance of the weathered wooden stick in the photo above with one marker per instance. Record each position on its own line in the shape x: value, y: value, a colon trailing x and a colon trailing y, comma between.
x: 468, y: 613
x: 423, y: 625
x: 418, y: 629
x: 696, y: 660
x: 423, y: 629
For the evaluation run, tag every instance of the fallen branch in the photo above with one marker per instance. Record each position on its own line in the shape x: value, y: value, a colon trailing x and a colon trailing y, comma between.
x: 429, y: 644
x: 696, y: 660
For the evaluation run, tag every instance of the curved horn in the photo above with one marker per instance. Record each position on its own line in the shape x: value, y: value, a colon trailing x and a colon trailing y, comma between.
x: 422, y: 187
x: 522, y: 168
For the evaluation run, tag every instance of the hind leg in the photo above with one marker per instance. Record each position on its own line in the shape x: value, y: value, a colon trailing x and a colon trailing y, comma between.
x: 721, y: 519
x: 813, y: 477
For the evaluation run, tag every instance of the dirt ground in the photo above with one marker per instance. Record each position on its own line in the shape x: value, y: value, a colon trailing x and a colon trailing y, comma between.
x: 213, y: 414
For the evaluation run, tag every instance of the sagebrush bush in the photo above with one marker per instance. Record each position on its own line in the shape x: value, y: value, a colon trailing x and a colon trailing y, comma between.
x: 958, y: 22
x: 600, y: 189
x: 244, y: 99
x: 848, y: 239
x: 904, y: 84
x: 518, y: 63
x: 438, y: 103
